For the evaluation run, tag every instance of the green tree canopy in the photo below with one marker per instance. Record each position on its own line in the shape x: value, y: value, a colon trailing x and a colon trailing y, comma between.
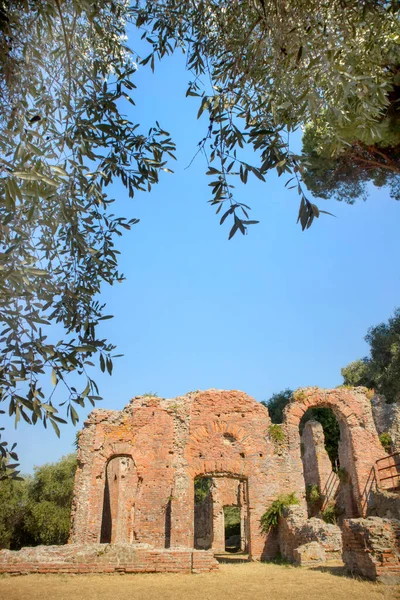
x: 260, y: 68
x: 381, y: 370
x: 276, y: 65
x: 13, y: 507
x: 342, y: 170
x: 65, y: 70
x: 37, y: 510
x: 277, y: 403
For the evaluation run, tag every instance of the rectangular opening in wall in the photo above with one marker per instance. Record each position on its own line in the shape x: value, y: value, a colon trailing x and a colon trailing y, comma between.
x: 232, y: 527
x: 203, y: 513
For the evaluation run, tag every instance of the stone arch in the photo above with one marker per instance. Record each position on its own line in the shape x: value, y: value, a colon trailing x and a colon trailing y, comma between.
x: 354, y: 413
x: 120, y: 485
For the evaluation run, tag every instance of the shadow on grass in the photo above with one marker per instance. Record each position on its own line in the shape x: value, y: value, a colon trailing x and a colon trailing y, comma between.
x: 338, y: 570
x: 229, y: 558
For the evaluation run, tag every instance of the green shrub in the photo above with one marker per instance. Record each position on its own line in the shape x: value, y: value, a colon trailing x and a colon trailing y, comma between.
x: 329, y: 515
x: 299, y: 395
x: 276, y: 433
x: 386, y: 441
x: 37, y: 510
x: 313, y: 494
x: 271, y: 516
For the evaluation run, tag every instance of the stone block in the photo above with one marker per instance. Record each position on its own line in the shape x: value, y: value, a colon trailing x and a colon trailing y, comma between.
x: 309, y: 554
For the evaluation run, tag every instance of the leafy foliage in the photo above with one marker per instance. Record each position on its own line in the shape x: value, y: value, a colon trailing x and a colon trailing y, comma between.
x: 232, y: 524
x: 277, y: 403
x: 276, y: 433
x: 386, y: 441
x: 273, y: 66
x: 357, y: 373
x: 271, y: 516
x: 65, y: 72
x: 231, y: 516
x: 202, y: 488
x: 330, y: 514
x: 37, y: 510
x: 313, y: 494
x: 366, y: 154
x: 381, y: 370
x: 13, y: 506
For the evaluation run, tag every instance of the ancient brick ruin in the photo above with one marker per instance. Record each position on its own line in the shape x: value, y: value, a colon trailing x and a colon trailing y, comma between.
x: 134, y: 507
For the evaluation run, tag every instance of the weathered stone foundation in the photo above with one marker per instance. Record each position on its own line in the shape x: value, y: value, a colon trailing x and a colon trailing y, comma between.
x: 105, y: 558
x: 371, y: 548
x: 295, y: 530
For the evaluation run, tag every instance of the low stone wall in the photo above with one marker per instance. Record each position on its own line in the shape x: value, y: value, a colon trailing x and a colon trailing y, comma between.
x: 371, y: 548
x: 105, y: 558
x: 296, y: 530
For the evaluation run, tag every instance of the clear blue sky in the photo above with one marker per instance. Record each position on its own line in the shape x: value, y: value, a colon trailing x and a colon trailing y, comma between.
x: 274, y: 309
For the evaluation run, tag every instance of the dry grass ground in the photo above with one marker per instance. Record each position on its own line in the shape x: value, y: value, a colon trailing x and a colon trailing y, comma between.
x: 249, y: 581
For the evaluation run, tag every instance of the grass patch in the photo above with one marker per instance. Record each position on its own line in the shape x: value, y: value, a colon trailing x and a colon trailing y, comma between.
x: 245, y: 581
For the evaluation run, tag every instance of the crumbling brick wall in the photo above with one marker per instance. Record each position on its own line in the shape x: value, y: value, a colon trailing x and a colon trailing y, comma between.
x: 371, y: 548
x: 387, y: 419
x: 136, y: 471
x: 359, y: 447
x: 384, y: 504
x: 105, y: 558
x: 168, y: 443
x: 295, y: 530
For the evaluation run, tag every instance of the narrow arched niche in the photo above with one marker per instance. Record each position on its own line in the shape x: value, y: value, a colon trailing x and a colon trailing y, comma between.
x: 118, y: 501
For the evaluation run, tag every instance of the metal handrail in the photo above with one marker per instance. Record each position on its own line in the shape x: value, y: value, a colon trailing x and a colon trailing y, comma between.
x: 394, y: 477
x: 388, y: 456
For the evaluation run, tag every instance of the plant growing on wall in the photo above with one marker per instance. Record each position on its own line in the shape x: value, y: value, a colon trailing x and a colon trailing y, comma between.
x: 276, y: 434
x: 386, y: 441
x: 271, y: 516
x: 330, y: 514
x: 313, y: 494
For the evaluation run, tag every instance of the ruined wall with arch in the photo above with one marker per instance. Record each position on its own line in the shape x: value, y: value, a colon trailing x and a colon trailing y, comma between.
x: 359, y: 446
x: 137, y: 467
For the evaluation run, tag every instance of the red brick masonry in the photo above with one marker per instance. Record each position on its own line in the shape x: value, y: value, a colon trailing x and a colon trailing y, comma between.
x: 371, y: 548
x: 105, y: 558
x: 134, y: 509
